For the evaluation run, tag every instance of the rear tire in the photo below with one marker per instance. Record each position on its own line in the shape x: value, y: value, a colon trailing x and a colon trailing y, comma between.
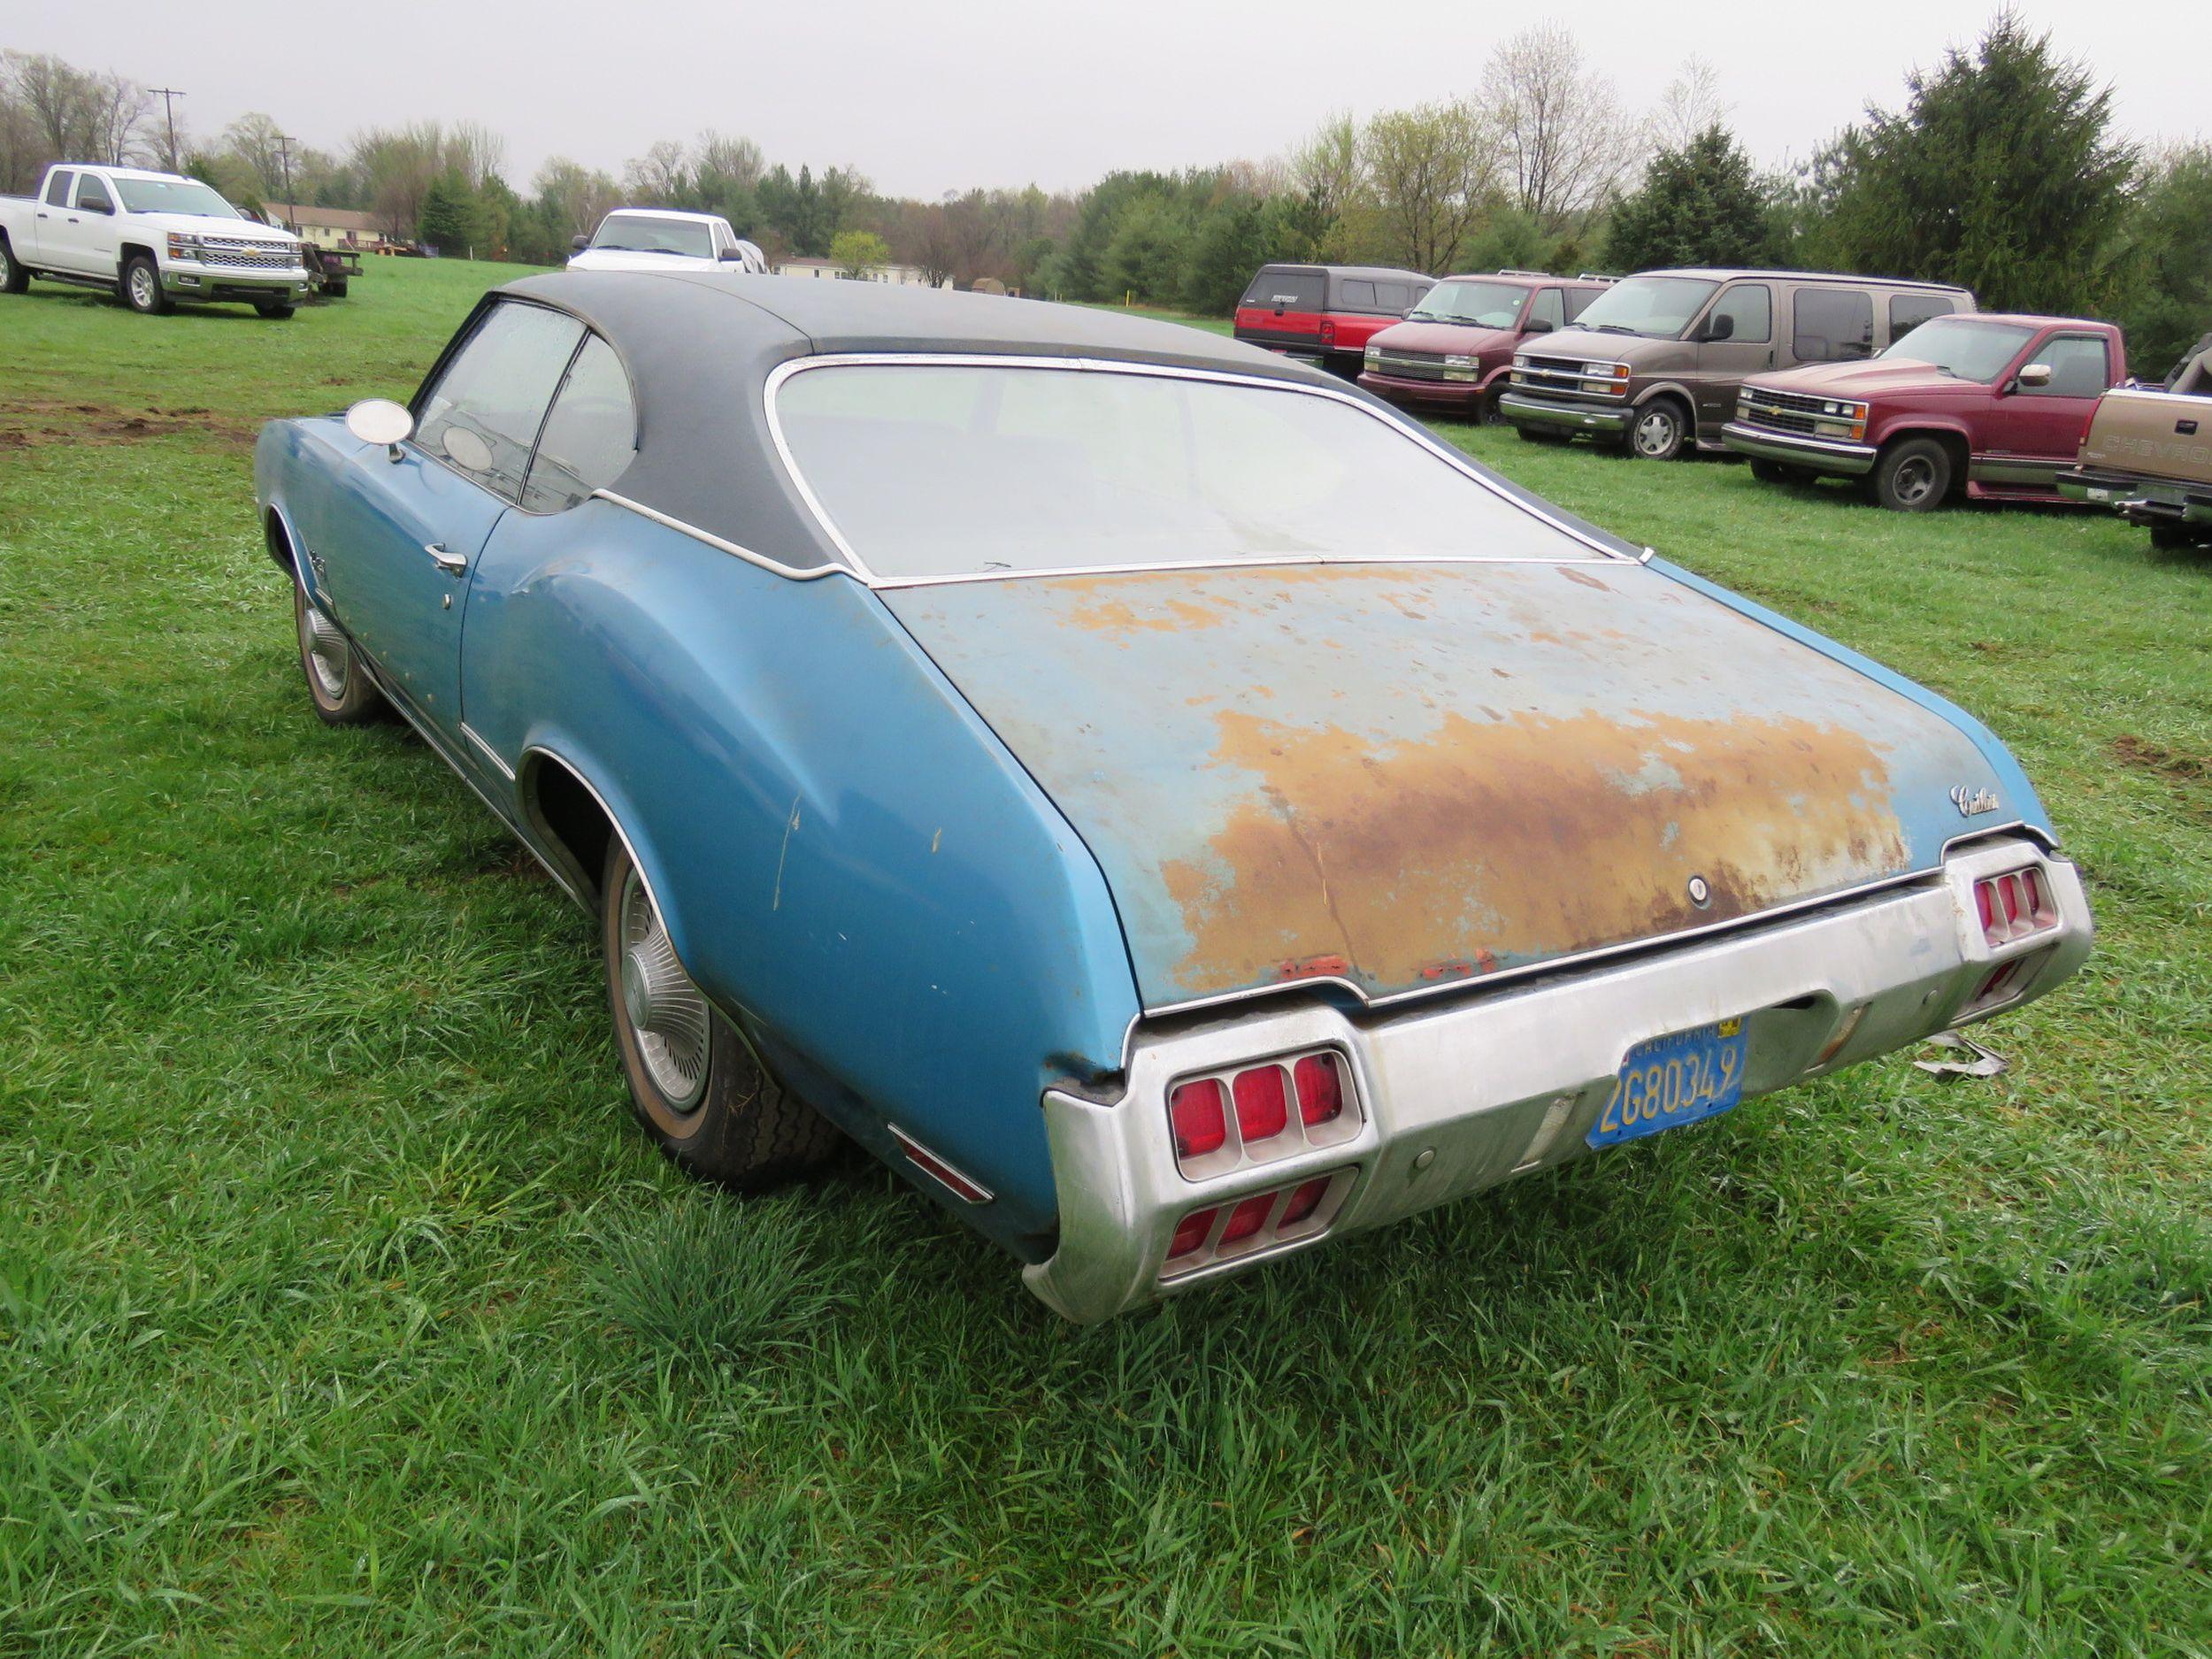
x: 13, y: 277
x: 2174, y: 538
x: 1914, y: 476
x: 140, y: 288
x: 1541, y: 435
x: 696, y: 1083
x: 342, y: 692
x: 1658, y: 430
x: 335, y: 287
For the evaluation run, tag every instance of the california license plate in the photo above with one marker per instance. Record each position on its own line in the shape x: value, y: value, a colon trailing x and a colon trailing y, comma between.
x: 1683, y: 1077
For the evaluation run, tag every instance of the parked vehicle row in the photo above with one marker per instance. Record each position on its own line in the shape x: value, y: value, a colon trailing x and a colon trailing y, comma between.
x: 1159, y: 800
x: 1456, y: 347
x: 155, y: 239
x: 1325, y: 313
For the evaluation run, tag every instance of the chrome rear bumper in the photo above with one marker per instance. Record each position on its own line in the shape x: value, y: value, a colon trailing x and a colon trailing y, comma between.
x: 1457, y: 1096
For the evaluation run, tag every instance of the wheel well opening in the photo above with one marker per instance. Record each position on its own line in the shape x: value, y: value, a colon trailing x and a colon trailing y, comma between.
x: 571, y: 817
x: 131, y: 250
x: 279, y: 542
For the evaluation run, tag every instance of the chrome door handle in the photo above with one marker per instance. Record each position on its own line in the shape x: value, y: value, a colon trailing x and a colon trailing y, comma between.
x: 451, y: 564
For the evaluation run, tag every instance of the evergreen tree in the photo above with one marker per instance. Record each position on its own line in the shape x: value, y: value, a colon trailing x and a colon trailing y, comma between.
x: 2170, y: 307
x: 448, y: 217
x: 2001, y: 174
x: 1698, y: 205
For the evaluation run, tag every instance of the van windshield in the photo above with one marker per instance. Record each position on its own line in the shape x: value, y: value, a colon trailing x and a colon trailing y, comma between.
x: 174, y: 195
x: 1659, y: 308
x: 1484, y: 305
x: 1971, y: 350
x: 927, y: 471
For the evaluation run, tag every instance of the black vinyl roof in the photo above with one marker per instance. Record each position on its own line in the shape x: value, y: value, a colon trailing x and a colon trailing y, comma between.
x: 699, y: 347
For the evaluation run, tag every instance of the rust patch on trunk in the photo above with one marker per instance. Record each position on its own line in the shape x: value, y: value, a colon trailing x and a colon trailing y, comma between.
x: 1511, y: 839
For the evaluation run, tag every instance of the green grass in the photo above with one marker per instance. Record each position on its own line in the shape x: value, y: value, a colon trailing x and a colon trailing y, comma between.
x: 343, y: 1311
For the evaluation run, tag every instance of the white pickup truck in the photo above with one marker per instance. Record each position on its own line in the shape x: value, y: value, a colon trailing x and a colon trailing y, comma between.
x: 152, y: 238
x: 663, y: 239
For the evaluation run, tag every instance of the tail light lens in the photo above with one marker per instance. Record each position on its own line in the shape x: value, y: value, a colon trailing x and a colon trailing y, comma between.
x: 2006, y: 980
x: 1328, y: 331
x: 1248, y: 1218
x: 1222, y: 1122
x: 1305, y: 1199
x: 1191, y: 1232
x: 1282, y: 1215
x: 2014, y: 905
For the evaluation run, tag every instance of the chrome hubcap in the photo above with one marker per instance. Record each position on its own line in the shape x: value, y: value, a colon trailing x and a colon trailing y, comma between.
x: 664, y: 1008
x: 1655, y: 432
x: 1915, y: 479
x: 328, y: 657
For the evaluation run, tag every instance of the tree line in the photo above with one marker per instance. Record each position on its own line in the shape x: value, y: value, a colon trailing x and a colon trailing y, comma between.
x: 2002, y: 170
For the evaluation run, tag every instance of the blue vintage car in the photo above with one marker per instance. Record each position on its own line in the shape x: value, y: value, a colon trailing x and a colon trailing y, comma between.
x: 1157, y: 798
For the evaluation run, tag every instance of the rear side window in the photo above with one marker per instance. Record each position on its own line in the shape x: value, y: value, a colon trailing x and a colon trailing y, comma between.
x: 2077, y: 367
x: 482, y: 417
x: 590, y: 436
x: 1547, y: 308
x: 92, y: 194
x: 1285, y: 290
x: 1908, y: 311
x: 1833, y: 325
x: 57, y: 190
x: 1355, y: 294
x: 1396, y: 297
x: 1750, y: 306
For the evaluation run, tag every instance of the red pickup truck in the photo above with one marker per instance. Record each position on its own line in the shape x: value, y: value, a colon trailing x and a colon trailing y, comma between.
x: 1988, y: 404
x: 1326, y: 312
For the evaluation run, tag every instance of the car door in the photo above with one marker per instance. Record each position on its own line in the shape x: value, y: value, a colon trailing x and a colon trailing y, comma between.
x: 50, y: 239
x: 99, y: 243
x: 2036, y: 429
x: 404, y: 529
x: 1723, y: 365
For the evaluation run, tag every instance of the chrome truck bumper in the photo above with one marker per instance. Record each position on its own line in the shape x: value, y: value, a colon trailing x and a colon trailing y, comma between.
x: 1607, y: 419
x: 1817, y: 455
x: 1457, y: 1096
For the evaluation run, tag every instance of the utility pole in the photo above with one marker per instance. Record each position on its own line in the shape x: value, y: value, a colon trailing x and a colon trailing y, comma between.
x: 284, y: 149
x: 169, y: 97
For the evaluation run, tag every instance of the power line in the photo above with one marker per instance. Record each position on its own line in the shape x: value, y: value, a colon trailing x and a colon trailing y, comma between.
x: 169, y: 97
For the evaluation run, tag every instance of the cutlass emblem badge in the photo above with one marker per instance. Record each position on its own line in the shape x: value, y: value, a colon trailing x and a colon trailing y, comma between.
x: 1970, y: 802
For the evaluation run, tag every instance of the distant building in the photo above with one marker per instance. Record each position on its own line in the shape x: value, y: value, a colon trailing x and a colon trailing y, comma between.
x: 331, y: 226
x: 905, y: 276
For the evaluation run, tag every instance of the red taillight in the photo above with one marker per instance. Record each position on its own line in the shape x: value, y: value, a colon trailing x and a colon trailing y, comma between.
x: 1304, y: 1201
x: 1199, y: 1117
x: 2013, y: 905
x: 1191, y: 1232
x: 1328, y: 331
x: 1263, y: 1105
x: 1320, y: 1088
x: 1248, y: 1218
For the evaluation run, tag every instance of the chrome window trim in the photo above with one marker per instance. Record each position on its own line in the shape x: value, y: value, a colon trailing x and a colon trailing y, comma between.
x: 487, y: 751
x: 792, y: 573
x: 1405, y: 427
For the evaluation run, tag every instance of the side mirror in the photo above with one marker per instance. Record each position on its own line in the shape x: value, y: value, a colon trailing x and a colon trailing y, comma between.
x: 1540, y: 325
x: 732, y: 256
x: 2036, y: 374
x: 576, y: 245
x: 1720, y: 327
x: 101, y: 208
x: 380, y: 420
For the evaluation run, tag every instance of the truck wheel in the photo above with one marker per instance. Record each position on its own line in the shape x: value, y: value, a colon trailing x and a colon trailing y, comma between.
x: 273, y: 308
x: 696, y: 1083
x: 1659, y: 430
x: 335, y: 287
x: 341, y: 688
x: 2172, y: 538
x: 1914, y: 476
x: 1541, y: 435
x: 1773, y: 472
x: 13, y: 277
x: 141, y: 286
x: 1486, y: 411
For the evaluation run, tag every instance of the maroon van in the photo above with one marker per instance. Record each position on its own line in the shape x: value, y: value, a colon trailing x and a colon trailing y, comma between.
x: 1455, y: 348
x: 1326, y: 312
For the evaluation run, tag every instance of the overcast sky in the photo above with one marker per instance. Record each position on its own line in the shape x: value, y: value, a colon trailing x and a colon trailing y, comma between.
x: 926, y: 95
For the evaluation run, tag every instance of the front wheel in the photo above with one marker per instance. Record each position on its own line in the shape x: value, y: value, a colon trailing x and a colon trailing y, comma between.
x: 1914, y: 476
x: 696, y: 1083
x: 341, y: 688
x: 141, y: 287
x: 278, y: 309
x: 1659, y: 431
x: 1772, y: 472
x: 1541, y: 435
x: 13, y: 277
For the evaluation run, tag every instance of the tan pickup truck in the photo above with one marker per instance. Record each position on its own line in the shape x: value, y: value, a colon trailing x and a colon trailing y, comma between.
x: 2148, y: 455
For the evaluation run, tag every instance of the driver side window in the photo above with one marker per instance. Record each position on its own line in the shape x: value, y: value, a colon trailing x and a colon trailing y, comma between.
x: 92, y: 196
x: 482, y: 416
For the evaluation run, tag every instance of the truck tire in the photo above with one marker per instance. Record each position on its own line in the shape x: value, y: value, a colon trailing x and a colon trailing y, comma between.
x: 277, y: 308
x: 1540, y: 434
x: 1657, y: 431
x: 335, y: 287
x: 696, y: 1083
x: 1773, y: 472
x: 13, y: 277
x: 1914, y: 475
x: 141, y: 287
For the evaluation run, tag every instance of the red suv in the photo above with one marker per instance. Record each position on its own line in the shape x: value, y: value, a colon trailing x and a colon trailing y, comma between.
x: 1986, y: 405
x: 1455, y: 348
x: 1326, y: 311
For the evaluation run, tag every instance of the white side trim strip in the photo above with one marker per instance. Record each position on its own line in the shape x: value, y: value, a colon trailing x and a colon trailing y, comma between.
x: 791, y: 572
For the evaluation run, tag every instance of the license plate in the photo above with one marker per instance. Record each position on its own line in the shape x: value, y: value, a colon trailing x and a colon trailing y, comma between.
x: 1683, y: 1077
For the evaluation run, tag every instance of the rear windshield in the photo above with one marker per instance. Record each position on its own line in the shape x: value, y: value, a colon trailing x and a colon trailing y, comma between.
x: 1972, y: 350
x: 938, y: 470
x: 1660, y: 307
x: 1484, y: 305
x: 634, y: 233
x: 1285, y: 290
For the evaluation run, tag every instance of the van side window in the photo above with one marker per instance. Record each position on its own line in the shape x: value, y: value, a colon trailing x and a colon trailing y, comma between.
x: 1751, y: 304
x: 1833, y: 325
x: 2078, y: 368
x: 1908, y: 311
x: 1548, y: 309
x: 57, y: 190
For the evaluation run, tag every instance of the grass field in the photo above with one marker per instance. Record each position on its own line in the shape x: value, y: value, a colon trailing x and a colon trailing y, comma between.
x: 343, y: 1312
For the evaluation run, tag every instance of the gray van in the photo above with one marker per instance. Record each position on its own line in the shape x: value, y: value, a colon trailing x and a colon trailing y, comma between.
x: 1656, y: 361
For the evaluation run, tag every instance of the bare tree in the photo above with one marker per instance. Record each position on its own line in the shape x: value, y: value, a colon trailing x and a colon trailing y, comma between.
x: 579, y: 196
x: 1691, y: 104
x: 738, y: 160
x: 397, y: 168
x: 659, y: 178
x: 1565, y: 139
x: 70, y: 114
x: 476, y: 152
x: 256, y: 142
x: 1432, y: 171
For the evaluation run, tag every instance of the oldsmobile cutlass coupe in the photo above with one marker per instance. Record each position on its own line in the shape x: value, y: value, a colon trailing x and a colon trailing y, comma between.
x: 1154, y: 797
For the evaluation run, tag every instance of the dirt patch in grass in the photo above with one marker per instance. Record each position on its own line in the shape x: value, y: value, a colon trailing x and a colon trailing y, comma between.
x: 2140, y: 752
x: 35, y: 423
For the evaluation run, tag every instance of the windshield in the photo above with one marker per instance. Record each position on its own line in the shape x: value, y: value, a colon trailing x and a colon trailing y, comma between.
x: 1660, y: 307
x: 174, y: 195
x: 1486, y: 305
x: 1973, y: 351
x: 635, y: 233
x: 938, y: 470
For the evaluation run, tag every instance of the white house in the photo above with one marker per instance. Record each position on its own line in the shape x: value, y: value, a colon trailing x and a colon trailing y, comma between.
x: 905, y: 276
